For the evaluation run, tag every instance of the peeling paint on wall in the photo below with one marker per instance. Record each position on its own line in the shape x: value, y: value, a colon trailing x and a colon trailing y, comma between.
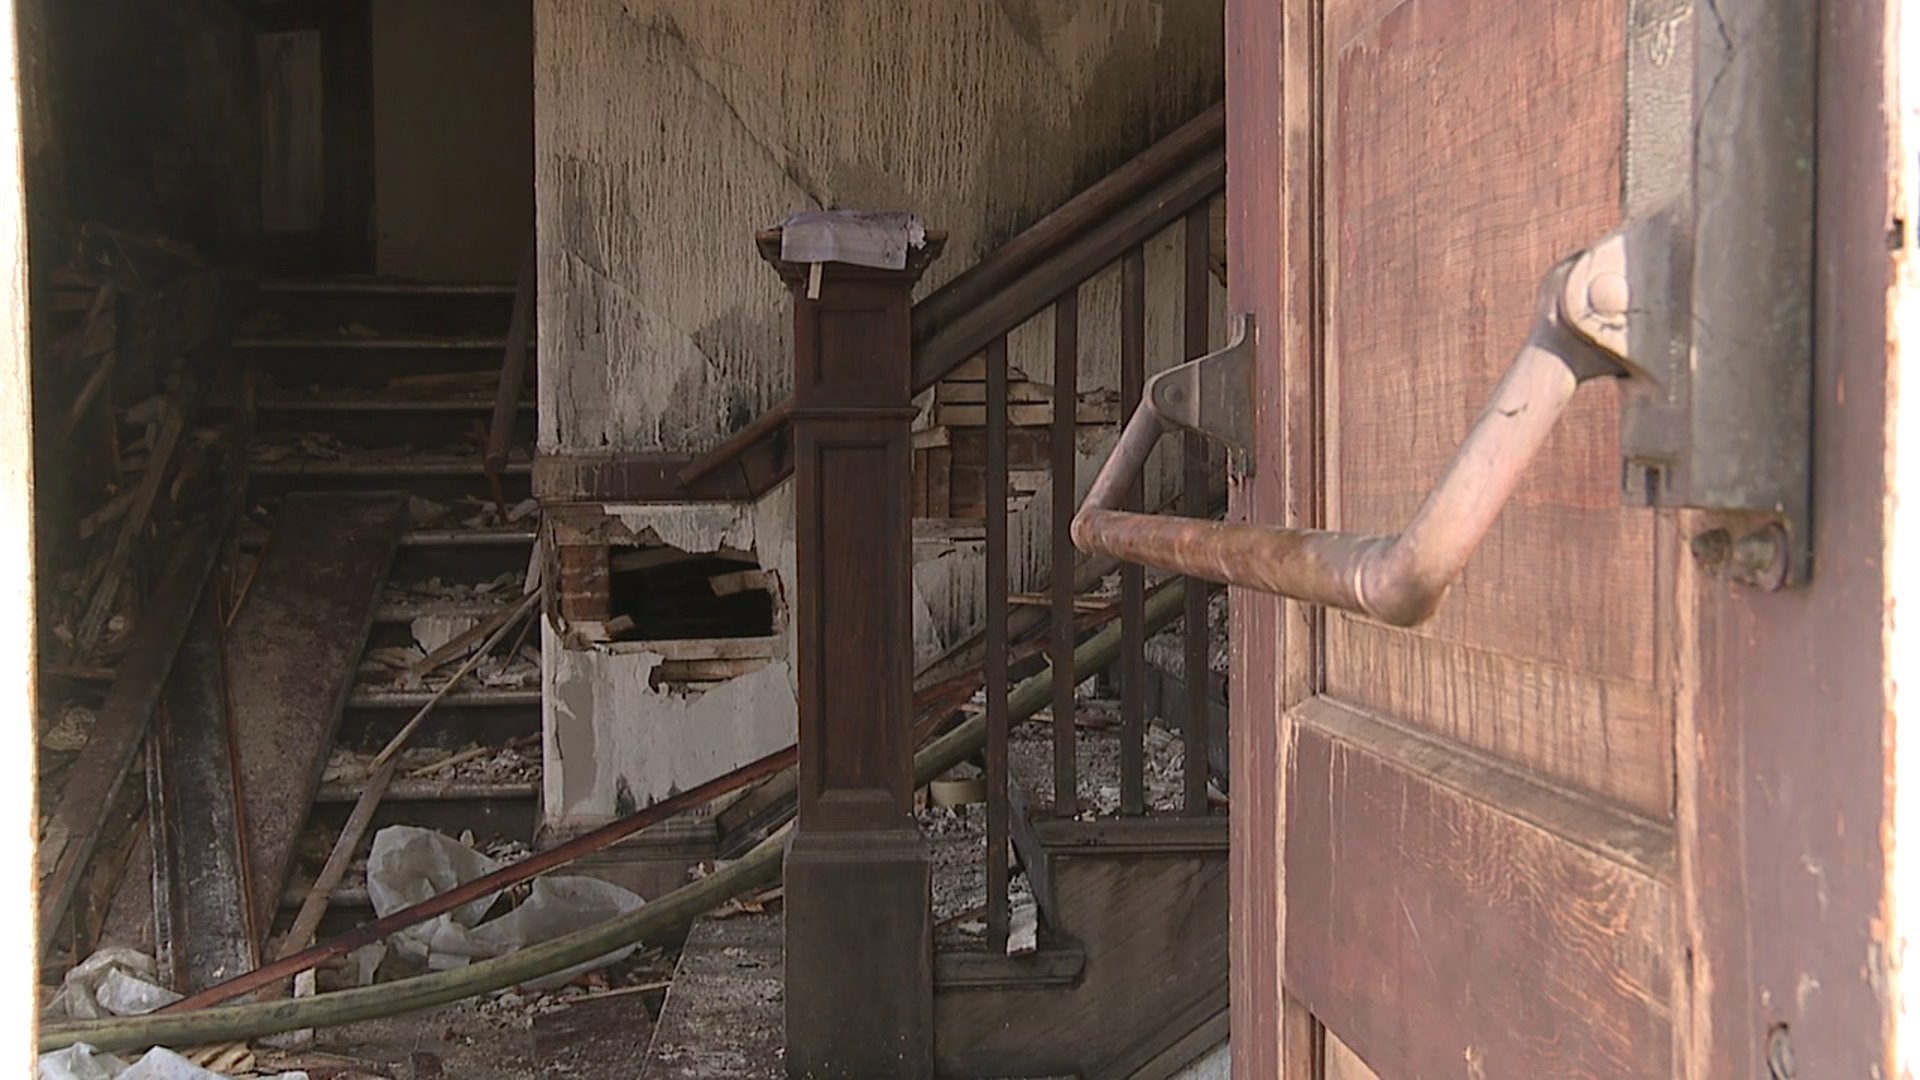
x: 610, y: 735
x: 669, y: 130
x: 614, y: 743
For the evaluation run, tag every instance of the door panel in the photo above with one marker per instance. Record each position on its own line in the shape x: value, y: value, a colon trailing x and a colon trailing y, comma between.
x: 1447, y: 916
x: 1471, y: 147
x: 1479, y: 847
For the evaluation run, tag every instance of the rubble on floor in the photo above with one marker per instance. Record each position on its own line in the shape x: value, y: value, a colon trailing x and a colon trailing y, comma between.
x: 516, y: 762
x: 1097, y: 759
x: 725, y: 1015
x: 1167, y: 649
x: 957, y: 846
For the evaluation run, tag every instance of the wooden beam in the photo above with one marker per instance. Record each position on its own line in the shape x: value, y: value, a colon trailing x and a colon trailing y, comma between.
x: 73, y: 829
x: 298, y: 639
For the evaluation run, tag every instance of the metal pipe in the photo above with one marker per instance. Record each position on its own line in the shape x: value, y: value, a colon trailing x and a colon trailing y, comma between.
x: 1396, y: 579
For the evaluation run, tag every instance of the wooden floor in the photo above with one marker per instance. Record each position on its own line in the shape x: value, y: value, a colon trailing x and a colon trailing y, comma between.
x: 725, y: 1015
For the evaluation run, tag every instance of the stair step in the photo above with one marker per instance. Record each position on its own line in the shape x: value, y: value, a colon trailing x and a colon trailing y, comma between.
x: 447, y: 609
x: 490, y: 718
x: 465, y: 365
x: 493, y: 811
x: 1057, y: 966
x: 376, y: 286
x: 456, y: 699
x: 406, y: 789
x: 438, y: 479
x: 1136, y: 895
x: 369, y: 403
x: 348, y: 342
x: 385, y: 424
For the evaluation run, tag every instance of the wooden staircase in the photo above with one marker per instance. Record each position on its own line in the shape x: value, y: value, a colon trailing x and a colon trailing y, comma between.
x: 1130, y: 979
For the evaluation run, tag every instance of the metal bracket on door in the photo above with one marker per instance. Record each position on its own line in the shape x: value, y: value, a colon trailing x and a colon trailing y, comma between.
x: 1211, y: 394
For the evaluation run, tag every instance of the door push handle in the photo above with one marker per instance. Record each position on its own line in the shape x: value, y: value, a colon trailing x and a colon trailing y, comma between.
x: 1578, y: 333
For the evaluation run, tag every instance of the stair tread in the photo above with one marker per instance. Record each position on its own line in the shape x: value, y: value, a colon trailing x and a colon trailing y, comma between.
x: 367, y: 697
x: 421, y: 789
x: 448, y: 609
x: 389, y: 286
x: 415, y: 465
x: 384, y: 341
x: 346, y: 404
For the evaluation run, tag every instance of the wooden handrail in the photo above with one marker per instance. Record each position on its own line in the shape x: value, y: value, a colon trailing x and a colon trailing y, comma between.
x: 513, y: 371
x: 1130, y: 184
x: 1069, y: 245
x: 767, y: 426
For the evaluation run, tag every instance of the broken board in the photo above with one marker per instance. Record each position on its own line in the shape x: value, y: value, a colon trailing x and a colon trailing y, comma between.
x: 294, y: 649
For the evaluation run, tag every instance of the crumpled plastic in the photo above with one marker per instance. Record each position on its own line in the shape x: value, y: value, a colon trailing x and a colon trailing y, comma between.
x: 115, y: 981
x: 856, y: 237
x: 409, y: 864
x: 82, y: 1062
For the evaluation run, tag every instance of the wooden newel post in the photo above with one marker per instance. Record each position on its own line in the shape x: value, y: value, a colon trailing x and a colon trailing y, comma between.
x: 859, y: 942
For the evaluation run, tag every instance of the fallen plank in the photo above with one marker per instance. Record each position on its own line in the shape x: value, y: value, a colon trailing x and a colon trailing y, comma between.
x: 296, y: 645
x: 738, y: 582
x: 102, y: 584
x: 729, y: 979
x: 204, y: 925
x: 488, y: 884
x: 707, y: 670
x: 752, y: 648
x: 189, y: 1021
x: 73, y: 829
x: 313, y: 906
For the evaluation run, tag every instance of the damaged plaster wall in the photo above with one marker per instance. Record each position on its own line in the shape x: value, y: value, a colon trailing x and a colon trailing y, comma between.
x: 669, y: 130
x: 613, y: 743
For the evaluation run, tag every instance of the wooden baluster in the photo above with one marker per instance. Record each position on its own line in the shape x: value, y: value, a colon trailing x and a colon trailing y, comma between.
x: 1193, y: 503
x: 996, y: 666
x: 1066, y: 399
x: 1133, y: 579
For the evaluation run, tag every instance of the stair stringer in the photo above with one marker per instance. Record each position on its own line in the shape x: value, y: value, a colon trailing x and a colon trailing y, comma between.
x: 1146, y: 901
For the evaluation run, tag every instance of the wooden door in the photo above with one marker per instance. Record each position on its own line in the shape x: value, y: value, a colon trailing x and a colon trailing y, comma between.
x: 1526, y: 839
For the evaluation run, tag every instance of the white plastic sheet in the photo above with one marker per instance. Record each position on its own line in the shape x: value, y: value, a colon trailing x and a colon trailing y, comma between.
x: 83, y: 1062
x: 408, y: 865
x: 114, y: 981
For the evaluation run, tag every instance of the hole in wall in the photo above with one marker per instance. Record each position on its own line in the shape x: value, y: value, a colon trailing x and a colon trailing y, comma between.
x: 672, y: 595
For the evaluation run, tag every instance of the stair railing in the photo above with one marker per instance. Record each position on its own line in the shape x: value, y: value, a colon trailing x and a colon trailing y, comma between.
x: 1045, y: 269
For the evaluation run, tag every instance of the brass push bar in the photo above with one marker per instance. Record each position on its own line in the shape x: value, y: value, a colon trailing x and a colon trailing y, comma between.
x: 1578, y: 334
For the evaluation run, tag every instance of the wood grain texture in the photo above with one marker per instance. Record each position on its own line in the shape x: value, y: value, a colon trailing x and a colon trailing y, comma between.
x: 1788, y: 786
x: 1516, y: 124
x: 1543, y: 717
x: 1343, y: 1064
x: 1272, y: 157
x: 1426, y: 924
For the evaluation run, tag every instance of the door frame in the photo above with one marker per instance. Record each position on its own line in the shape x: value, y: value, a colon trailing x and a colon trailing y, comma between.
x: 1785, y: 707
